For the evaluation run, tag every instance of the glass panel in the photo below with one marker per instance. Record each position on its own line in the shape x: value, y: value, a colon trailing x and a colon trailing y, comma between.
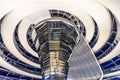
x: 83, y: 64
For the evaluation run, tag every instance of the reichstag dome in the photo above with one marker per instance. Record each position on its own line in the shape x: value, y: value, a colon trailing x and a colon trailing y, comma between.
x: 59, y: 39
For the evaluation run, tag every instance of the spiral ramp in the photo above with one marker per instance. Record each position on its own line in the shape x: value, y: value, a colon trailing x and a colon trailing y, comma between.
x: 100, y: 27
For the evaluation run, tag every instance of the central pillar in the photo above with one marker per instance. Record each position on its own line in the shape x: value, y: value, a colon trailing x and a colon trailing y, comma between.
x: 56, y: 40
